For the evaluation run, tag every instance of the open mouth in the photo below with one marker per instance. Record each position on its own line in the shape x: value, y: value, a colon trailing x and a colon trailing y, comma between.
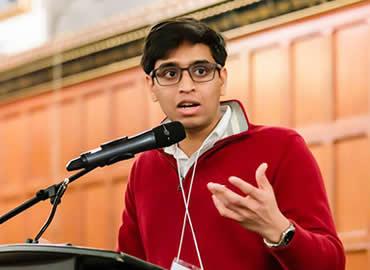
x: 188, y: 104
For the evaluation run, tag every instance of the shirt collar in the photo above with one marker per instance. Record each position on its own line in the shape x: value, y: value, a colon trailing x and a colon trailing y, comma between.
x: 216, y: 134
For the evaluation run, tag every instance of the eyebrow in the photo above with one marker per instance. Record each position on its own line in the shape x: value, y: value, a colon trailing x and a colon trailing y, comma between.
x: 174, y: 64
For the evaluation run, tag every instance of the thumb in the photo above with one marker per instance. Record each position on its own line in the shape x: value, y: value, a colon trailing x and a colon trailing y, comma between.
x: 261, y: 178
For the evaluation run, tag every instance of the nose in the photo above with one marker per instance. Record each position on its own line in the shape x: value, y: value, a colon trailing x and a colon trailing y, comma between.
x: 186, y: 83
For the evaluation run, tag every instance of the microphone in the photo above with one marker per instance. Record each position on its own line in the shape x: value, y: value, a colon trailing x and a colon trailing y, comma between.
x: 126, y: 147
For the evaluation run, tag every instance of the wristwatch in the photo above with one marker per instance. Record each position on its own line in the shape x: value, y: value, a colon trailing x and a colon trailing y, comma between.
x: 285, y: 238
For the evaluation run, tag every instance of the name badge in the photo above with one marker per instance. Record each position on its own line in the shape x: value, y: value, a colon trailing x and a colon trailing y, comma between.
x: 181, y: 265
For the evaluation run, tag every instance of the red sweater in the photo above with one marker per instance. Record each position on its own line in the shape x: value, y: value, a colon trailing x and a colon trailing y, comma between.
x: 153, y: 217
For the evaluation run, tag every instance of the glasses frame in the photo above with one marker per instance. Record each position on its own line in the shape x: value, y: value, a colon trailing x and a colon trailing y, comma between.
x: 216, y: 66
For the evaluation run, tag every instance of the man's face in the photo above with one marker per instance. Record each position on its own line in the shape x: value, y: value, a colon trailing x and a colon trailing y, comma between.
x: 194, y: 104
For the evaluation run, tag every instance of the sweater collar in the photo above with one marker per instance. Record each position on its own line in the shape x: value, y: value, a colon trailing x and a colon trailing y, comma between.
x: 239, y: 120
x: 222, y: 129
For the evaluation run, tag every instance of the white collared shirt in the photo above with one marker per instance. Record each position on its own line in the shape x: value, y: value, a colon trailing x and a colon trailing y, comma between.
x: 220, y: 131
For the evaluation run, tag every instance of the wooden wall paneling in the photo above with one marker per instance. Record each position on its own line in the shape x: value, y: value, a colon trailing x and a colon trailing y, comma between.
x: 70, y: 131
x: 14, y: 142
x: 287, y: 95
x: 324, y: 155
x: 353, y: 186
x: 12, y: 231
x: 130, y: 109
x: 237, y: 81
x: 116, y: 200
x: 55, y: 133
x: 357, y: 260
x: 39, y: 125
x: 268, y: 84
x: 312, y: 80
x: 97, y: 119
x: 352, y: 58
x: 3, y: 180
x: 98, y: 226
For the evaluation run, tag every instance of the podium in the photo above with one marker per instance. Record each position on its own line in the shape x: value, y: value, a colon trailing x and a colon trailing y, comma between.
x: 65, y: 257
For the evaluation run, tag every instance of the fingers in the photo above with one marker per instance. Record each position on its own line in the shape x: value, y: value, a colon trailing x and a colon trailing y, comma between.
x: 242, y: 205
x: 245, y: 187
x: 230, y: 200
x: 225, y: 195
x: 261, y: 178
x: 224, y: 211
x: 256, y: 210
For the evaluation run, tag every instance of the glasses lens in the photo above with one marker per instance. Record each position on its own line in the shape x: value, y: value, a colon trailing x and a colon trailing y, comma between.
x: 199, y: 72
x: 168, y: 75
x: 202, y: 72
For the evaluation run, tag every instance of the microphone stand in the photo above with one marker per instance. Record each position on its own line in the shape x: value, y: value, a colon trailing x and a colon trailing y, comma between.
x: 54, y: 193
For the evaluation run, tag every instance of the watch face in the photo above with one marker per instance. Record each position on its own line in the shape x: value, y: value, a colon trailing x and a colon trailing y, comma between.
x: 288, y: 237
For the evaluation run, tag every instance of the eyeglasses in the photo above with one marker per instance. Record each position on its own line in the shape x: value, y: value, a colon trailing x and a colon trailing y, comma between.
x: 171, y: 74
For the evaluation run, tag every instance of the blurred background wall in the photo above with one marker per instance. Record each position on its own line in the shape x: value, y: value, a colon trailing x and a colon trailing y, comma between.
x: 70, y: 80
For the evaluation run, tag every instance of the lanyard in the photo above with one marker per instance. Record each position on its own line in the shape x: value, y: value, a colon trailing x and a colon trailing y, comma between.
x: 187, y: 214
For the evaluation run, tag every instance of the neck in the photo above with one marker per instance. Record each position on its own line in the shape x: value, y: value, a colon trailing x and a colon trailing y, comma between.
x: 195, y: 138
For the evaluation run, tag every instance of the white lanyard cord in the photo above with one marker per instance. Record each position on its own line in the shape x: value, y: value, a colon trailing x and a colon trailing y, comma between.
x: 187, y: 214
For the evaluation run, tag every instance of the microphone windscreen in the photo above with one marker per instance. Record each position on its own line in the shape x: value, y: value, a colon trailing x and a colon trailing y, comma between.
x: 168, y: 134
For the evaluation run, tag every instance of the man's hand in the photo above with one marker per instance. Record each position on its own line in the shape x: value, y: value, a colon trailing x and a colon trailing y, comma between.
x: 257, y: 210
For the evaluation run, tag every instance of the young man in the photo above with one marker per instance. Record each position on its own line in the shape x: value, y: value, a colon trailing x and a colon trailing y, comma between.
x: 232, y: 195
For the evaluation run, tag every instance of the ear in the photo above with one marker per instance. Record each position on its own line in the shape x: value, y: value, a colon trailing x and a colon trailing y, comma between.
x: 150, y: 86
x: 223, y: 78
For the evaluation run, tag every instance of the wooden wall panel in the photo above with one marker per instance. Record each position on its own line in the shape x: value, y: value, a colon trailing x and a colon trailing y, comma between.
x: 13, y: 173
x: 70, y: 131
x: 357, y: 260
x: 311, y: 80
x: 14, y: 230
x: 268, y: 83
x: 353, y: 185
x: 97, y: 223
x: 97, y: 116
x: 117, y: 190
x: 353, y: 64
x: 130, y: 109
x: 324, y: 156
x: 238, y: 77
x: 40, y: 128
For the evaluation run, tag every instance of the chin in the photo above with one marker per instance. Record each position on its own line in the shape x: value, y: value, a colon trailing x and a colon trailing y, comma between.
x: 192, y: 126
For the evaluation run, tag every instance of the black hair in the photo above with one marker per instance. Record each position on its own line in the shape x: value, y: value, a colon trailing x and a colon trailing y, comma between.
x: 170, y: 34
